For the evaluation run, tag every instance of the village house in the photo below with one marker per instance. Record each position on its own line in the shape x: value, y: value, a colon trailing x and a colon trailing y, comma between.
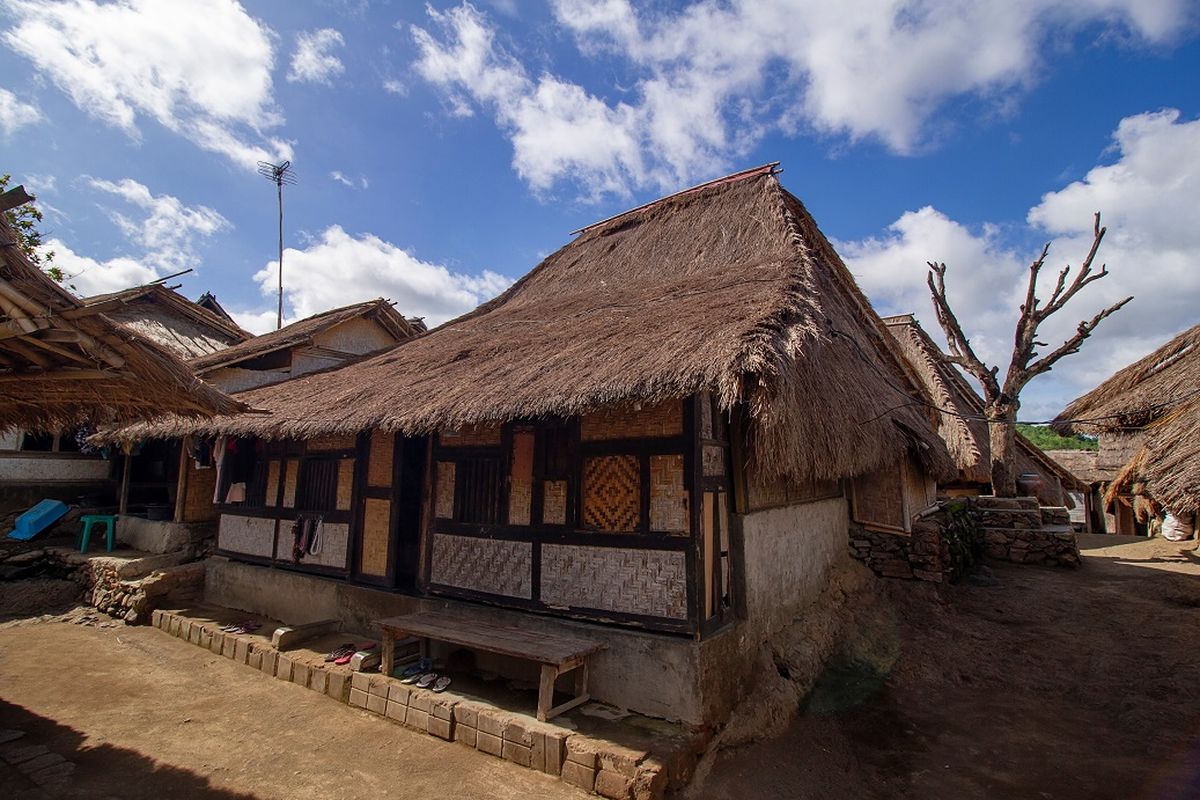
x: 963, y: 427
x: 1147, y: 417
x: 655, y: 440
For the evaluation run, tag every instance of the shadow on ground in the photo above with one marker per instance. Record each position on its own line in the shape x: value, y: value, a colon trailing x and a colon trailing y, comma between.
x: 102, y: 770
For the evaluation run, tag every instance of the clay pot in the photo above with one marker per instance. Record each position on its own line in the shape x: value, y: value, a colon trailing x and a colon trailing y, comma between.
x: 1029, y: 484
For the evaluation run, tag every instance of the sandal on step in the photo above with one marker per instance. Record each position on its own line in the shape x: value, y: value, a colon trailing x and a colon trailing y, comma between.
x: 426, y: 680
x: 441, y: 684
x: 339, y: 651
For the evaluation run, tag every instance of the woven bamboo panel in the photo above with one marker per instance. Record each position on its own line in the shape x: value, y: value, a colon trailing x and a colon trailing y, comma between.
x: 520, y: 489
x: 374, y: 556
x: 444, y: 497
x: 706, y: 417
x: 332, y: 443
x: 648, y: 582
x: 668, y: 497
x: 470, y: 436
x: 920, y: 491
x: 345, y: 483
x: 253, y: 536
x: 379, y: 463
x: 198, y: 497
x: 290, y: 478
x: 761, y: 494
x: 554, y: 502
x: 494, y: 566
x: 333, y: 548
x: 273, y: 481
x: 612, y: 493
x: 714, y: 460
x: 629, y: 422
x: 879, y: 498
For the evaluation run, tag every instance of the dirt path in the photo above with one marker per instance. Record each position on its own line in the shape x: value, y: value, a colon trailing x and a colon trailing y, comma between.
x: 1050, y: 684
x: 145, y: 716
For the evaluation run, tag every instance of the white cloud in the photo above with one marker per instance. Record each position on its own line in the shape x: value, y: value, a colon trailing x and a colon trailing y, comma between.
x: 396, y: 87
x: 167, y: 230
x: 16, y: 113
x: 313, y: 62
x: 340, y: 178
x: 87, y: 276
x: 1147, y: 195
x: 712, y: 79
x: 338, y: 269
x: 200, y: 68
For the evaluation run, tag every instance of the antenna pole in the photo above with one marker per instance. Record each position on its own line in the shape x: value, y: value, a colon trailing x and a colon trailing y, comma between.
x: 279, y: 174
x: 279, y: 313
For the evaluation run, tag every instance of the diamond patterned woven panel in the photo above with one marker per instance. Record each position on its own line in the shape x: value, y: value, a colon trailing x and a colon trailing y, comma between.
x: 611, y: 493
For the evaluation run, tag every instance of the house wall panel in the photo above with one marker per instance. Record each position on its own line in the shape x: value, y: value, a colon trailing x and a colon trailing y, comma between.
x: 646, y: 582
x: 493, y: 566
x: 629, y: 422
x: 251, y: 536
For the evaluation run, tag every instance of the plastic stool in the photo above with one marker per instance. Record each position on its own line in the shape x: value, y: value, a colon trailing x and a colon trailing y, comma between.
x: 88, y: 520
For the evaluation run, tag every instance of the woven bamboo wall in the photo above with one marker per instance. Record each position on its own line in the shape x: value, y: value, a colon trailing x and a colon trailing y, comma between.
x: 554, y: 502
x: 879, y: 498
x: 272, y: 491
x: 332, y: 443
x: 520, y: 492
x: 290, y: 478
x: 648, y: 582
x: 483, y: 565
x: 345, y: 484
x: 252, y: 536
x: 198, y: 499
x: 334, y: 550
x: 611, y: 493
x: 444, y: 490
x: 470, y: 436
x: 668, y: 495
x: 762, y: 494
x: 651, y: 421
x: 379, y: 463
x: 374, y: 555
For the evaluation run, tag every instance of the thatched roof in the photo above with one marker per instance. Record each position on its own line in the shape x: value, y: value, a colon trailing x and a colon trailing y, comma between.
x: 728, y: 287
x: 168, y: 318
x: 63, y: 363
x: 1083, y: 464
x: 1169, y: 463
x: 960, y: 412
x: 1140, y: 393
x: 303, y: 331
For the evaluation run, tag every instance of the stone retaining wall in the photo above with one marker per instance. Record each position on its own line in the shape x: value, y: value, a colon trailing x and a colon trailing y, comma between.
x: 594, y: 765
x: 1053, y: 548
x: 922, y: 555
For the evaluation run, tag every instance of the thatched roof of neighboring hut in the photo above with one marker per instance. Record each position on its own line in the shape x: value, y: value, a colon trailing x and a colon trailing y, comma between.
x: 1083, y: 464
x: 1140, y: 393
x: 302, y: 332
x: 728, y: 287
x: 63, y: 363
x: 185, y: 328
x: 960, y: 412
x: 1169, y: 463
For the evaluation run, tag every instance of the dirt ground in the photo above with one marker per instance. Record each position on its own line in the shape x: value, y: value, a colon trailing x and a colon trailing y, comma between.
x: 143, y: 715
x: 1050, y: 683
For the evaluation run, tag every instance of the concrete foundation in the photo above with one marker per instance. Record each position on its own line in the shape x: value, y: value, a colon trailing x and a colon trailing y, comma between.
x: 154, y: 536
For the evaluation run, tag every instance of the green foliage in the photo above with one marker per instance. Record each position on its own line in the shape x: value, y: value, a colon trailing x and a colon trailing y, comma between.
x: 1046, y: 439
x: 961, y: 535
x: 25, y: 220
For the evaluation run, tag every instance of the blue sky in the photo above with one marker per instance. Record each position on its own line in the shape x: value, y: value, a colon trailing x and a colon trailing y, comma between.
x: 442, y: 150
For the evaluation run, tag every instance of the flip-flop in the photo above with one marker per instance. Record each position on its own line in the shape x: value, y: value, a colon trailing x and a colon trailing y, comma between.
x: 426, y: 680
x: 344, y: 658
x: 441, y: 684
x: 339, y: 651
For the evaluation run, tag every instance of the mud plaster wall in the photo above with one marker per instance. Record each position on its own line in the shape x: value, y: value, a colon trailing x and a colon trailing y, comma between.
x: 786, y: 556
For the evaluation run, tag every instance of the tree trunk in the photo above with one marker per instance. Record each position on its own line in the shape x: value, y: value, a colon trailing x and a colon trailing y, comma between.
x: 1002, y: 433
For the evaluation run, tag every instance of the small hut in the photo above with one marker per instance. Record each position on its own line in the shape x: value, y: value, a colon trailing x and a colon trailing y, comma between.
x: 1147, y: 416
x: 158, y: 312
x: 657, y: 438
x: 963, y: 427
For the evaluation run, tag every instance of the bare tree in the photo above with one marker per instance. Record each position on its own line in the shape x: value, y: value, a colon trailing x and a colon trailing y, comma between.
x: 1002, y: 400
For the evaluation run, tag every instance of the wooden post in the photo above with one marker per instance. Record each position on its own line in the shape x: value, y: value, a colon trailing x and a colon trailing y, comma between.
x: 123, y: 501
x: 182, y: 482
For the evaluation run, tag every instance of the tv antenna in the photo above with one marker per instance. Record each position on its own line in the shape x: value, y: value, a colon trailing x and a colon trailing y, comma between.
x: 279, y: 174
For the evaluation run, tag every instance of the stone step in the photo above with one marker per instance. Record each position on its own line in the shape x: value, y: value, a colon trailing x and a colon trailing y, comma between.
x: 1029, y: 519
x: 989, y: 502
x: 1056, y: 515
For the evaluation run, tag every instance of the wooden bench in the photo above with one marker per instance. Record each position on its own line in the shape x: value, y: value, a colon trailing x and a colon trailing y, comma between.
x: 557, y: 653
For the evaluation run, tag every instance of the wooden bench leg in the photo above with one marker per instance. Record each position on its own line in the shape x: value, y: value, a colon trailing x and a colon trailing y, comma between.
x: 546, y: 692
x: 389, y: 651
